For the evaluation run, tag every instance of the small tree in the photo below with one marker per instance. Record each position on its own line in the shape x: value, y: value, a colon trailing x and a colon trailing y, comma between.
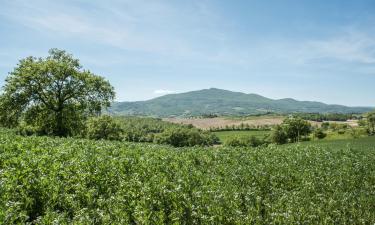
x: 104, y: 127
x: 296, y: 127
x: 319, y: 133
x: 371, y: 122
x: 53, y: 94
x: 278, y: 135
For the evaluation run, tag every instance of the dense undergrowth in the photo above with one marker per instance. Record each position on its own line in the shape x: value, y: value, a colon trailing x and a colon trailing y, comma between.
x: 62, y: 181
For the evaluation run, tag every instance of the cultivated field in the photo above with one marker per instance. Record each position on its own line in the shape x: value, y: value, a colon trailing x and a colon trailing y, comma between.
x: 221, y: 122
x: 73, y: 181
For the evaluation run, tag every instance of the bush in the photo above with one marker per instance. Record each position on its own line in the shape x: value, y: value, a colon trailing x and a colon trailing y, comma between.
x: 181, y: 137
x: 251, y: 141
x: 325, y: 125
x: 103, y: 127
x: 278, y: 135
x: 318, y: 133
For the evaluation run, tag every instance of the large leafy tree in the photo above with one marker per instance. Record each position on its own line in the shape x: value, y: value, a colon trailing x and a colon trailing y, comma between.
x: 53, y: 94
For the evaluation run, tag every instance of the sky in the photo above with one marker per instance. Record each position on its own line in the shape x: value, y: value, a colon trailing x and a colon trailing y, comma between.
x: 315, y: 50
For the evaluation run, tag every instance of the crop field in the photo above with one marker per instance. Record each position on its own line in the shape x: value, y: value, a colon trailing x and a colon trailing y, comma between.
x: 225, y: 135
x: 64, y: 180
x: 222, y: 122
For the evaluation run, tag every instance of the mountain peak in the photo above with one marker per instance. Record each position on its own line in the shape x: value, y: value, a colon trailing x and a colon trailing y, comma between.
x: 223, y: 102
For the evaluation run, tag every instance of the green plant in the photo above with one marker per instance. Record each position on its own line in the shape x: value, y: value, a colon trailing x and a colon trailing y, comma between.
x: 103, y: 127
x: 47, y: 180
x: 53, y: 94
x: 279, y: 135
x: 319, y: 133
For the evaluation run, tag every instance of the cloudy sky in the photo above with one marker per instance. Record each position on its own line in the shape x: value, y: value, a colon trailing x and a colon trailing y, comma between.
x: 309, y: 50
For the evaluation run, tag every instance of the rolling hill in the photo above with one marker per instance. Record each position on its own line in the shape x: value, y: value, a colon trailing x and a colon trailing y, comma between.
x: 223, y: 102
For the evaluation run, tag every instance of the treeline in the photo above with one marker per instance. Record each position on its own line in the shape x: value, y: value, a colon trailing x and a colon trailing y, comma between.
x: 241, y: 127
x: 139, y: 129
x: 318, y: 117
x: 152, y: 130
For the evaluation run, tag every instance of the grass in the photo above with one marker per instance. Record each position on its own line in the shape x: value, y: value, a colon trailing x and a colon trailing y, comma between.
x: 72, y: 181
x: 225, y: 135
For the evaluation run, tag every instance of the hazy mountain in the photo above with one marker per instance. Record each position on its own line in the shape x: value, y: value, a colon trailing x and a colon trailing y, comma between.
x: 223, y: 102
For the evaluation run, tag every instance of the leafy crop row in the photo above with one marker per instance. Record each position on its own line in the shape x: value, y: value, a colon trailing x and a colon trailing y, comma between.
x: 52, y: 180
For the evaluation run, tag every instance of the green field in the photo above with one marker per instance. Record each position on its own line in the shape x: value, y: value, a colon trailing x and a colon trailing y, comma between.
x: 64, y: 180
x: 225, y: 135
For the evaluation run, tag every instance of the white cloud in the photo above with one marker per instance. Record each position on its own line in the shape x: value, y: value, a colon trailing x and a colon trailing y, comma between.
x: 163, y: 92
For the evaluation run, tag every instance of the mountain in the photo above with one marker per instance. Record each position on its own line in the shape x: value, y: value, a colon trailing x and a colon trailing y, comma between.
x: 223, y: 102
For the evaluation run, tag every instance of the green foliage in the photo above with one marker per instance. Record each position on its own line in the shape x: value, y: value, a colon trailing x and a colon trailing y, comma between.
x: 143, y: 129
x: 370, y: 117
x: 325, y: 125
x: 180, y: 137
x: 69, y: 181
x: 319, y: 133
x: 295, y: 128
x: 279, y: 135
x: 320, y: 117
x: 104, y: 127
x: 53, y: 95
x: 251, y: 141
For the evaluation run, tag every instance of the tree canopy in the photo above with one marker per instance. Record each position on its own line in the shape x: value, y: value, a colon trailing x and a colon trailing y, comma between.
x: 53, y: 94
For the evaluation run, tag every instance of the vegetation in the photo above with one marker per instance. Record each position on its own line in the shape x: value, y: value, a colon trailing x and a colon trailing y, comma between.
x: 279, y: 135
x: 52, y: 96
x: 104, y: 127
x: 250, y: 141
x: 241, y: 127
x: 225, y: 135
x: 186, y: 137
x: 319, y: 133
x: 138, y: 129
x: 319, y: 117
x: 370, y: 117
x: 71, y: 181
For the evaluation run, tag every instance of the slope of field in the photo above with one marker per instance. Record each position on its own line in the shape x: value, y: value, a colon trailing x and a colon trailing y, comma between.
x: 253, y: 121
x: 63, y: 181
x: 223, y: 102
x: 225, y: 135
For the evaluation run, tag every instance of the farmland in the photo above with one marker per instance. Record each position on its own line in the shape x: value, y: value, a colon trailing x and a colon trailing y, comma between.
x: 66, y: 180
x: 225, y: 135
x: 253, y: 121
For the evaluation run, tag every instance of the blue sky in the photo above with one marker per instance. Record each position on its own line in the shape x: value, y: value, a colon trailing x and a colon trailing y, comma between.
x: 307, y: 50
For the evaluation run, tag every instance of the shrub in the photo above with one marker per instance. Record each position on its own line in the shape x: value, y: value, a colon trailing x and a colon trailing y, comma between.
x: 251, y: 141
x: 319, y: 133
x: 295, y: 128
x: 278, y: 135
x: 325, y: 125
x: 181, y: 137
x: 104, y: 127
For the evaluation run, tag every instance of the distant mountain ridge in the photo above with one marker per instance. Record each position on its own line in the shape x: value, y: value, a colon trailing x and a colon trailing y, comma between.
x: 223, y: 102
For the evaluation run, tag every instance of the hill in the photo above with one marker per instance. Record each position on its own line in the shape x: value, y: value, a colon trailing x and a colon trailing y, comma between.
x: 223, y: 102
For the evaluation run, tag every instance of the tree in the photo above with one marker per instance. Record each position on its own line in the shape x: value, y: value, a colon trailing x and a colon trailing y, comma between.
x: 104, y: 127
x: 296, y: 127
x: 53, y: 94
x: 319, y: 133
x: 371, y: 122
x: 278, y: 135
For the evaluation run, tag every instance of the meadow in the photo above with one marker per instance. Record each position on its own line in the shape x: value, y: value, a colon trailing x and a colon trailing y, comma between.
x: 48, y: 180
x: 226, y: 135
